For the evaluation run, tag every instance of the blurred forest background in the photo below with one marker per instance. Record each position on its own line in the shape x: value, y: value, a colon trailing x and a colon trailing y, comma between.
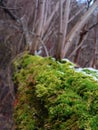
x: 58, y: 28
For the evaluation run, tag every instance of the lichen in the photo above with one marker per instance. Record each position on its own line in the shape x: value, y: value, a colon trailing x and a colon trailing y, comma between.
x: 52, y: 95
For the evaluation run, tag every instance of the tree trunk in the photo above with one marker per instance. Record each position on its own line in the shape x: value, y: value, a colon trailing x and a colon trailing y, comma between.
x: 63, y: 26
x: 39, y: 29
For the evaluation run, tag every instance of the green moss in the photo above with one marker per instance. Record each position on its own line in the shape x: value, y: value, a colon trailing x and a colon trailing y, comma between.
x: 53, y: 96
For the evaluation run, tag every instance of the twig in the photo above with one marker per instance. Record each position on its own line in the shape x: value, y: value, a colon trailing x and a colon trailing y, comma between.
x: 45, y: 48
x: 41, y: 41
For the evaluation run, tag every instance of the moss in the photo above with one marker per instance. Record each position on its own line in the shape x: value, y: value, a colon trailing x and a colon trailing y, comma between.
x: 53, y: 96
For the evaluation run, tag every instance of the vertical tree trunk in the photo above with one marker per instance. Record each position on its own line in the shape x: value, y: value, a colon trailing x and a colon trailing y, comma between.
x: 93, y: 60
x: 66, y: 20
x: 60, y: 33
x: 63, y: 26
x: 39, y: 29
x: 26, y: 32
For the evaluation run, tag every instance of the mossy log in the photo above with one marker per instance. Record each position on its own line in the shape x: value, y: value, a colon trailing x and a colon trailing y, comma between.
x: 53, y: 95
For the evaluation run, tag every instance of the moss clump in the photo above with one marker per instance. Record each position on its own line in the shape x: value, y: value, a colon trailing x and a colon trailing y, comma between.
x: 53, y: 96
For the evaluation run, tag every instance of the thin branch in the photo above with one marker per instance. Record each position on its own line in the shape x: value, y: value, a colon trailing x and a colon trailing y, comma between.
x: 74, y: 16
x: 45, y: 48
x: 91, y: 27
x: 94, y: 25
x: 42, y: 42
x: 8, y: 8
x: 73, y: 53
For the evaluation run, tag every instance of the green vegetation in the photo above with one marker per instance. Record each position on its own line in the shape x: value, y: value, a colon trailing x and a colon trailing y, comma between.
x: 52, y: 95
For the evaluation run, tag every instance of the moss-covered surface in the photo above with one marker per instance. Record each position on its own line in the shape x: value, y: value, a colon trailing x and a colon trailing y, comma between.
x: 53, y: 96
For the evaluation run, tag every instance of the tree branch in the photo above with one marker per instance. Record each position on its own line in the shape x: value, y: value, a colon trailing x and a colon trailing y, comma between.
x: 8, y: 11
